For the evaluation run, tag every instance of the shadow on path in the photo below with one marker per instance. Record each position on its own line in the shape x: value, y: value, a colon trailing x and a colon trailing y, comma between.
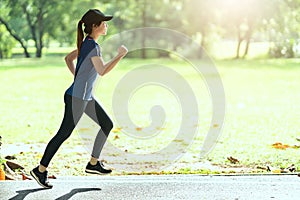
x: 75, y: 191
x: 23, y: 193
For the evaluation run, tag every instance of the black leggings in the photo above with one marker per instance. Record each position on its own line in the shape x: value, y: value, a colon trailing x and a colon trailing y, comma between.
x: 74, y: 109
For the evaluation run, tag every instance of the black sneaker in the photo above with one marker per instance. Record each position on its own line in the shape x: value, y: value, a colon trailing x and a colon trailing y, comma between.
x: 41, y: 178
x: 97, y: 169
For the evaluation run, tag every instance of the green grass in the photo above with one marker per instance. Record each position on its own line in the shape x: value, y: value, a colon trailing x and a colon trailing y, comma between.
x: 262, y: 107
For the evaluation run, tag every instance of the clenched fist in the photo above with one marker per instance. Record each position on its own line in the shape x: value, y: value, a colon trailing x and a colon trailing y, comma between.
x: 122, y: 50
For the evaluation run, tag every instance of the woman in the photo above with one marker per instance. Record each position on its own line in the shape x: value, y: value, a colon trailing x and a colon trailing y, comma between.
x: 78, y: 97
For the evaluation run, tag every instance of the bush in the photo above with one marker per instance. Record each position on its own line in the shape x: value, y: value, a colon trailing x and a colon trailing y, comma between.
x: 284, y: 49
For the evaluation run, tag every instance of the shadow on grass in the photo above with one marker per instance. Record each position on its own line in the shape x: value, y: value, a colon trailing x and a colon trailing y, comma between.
x: 23, y: 193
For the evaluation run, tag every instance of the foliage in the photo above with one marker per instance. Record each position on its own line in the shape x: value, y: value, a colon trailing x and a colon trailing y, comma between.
x: 274, y: 21
x: 283, y: 30
x: 42, y: 20
x: 6, y: 44
x: 283, y: 49
x: 199, y: 17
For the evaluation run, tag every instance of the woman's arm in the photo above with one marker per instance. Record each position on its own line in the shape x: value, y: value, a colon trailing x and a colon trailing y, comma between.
x: 70, y: 60
x: 103, y: 68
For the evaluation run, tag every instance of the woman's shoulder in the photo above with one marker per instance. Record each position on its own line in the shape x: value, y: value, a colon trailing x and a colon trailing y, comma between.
x: 89, y: 41
x: 89, y: 48
x: 89, y: 44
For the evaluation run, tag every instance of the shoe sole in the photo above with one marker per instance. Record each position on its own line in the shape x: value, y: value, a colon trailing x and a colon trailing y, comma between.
x: 37, y: 180
x: 94, y: 172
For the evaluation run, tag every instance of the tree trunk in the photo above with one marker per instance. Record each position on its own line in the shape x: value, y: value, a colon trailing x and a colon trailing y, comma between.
x: 247, y: 47
x: 40, y: 34
x: 238, y: 49
x: 240, y: 40
x: 32, y: 27
x: 11, y: 32
x: 38, y: 52
x: 248, y: 37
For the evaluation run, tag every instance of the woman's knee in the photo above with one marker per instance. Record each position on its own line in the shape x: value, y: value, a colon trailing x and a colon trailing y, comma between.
x: 107, y: 127
x: 63, y: 135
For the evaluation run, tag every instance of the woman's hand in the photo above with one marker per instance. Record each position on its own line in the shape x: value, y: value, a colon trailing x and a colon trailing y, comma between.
x: 122, y: 51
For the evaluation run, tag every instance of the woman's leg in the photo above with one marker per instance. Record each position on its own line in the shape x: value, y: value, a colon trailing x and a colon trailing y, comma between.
x: 73, y: 111
x: 98, y: 115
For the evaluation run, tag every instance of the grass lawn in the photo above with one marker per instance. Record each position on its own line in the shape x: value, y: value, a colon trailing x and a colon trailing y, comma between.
x: 262, y: 108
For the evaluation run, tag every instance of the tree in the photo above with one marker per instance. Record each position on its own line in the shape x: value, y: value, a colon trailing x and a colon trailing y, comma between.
x: 9, y: 23
x: 199, y: 15
x: 36, y: 13
x: 130, y: 14
x: 42, y: 17
x: 283, y: 29
x: 243, y: 18
x: 65, y: 18
x: 15, y: 36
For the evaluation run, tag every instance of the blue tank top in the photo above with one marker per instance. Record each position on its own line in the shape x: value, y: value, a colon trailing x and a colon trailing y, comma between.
x: 85, y: 73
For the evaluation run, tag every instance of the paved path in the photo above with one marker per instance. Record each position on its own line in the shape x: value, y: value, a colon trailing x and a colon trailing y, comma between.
x: 157, y: 187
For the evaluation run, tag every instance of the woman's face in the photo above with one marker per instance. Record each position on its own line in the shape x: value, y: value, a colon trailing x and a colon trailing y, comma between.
x: 101, y: 29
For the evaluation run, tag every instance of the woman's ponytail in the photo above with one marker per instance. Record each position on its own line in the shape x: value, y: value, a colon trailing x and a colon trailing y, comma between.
x: 79, y: 36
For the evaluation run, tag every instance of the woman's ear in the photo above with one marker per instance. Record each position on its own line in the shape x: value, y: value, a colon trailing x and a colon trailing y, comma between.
x: 95, y: 25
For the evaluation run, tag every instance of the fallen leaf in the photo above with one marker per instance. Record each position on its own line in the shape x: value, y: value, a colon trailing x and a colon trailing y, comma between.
x: 285, y: 146
x: 14, y: 166
x: 9, y: 173
x: 25, y: 177
x: 116, y: 130
x: 273, y: 169
x: 39, y: 156
x: 276, y: 171
x: 116, y: 137
x: 216, y: 125
x: 233, y: 160
x: 138, y: 128
x: 262, y: 167
x: 10, y: 157
x: 9, y: 177
x: 279, y: 145
x: 291, y: 168
x: 52, y: 177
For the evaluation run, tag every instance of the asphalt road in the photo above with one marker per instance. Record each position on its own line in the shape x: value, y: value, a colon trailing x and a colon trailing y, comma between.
x: 157, y: 187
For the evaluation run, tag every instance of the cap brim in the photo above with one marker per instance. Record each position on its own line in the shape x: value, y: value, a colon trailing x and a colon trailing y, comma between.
x: 107, y: 18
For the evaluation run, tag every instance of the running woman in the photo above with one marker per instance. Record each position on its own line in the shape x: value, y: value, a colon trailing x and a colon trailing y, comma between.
x: 78, y: 97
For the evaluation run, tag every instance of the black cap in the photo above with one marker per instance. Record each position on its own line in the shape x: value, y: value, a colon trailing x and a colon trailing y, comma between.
x: 95, y: 16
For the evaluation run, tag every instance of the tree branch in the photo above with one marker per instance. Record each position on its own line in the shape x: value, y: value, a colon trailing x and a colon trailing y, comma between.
x: 14, y: 35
